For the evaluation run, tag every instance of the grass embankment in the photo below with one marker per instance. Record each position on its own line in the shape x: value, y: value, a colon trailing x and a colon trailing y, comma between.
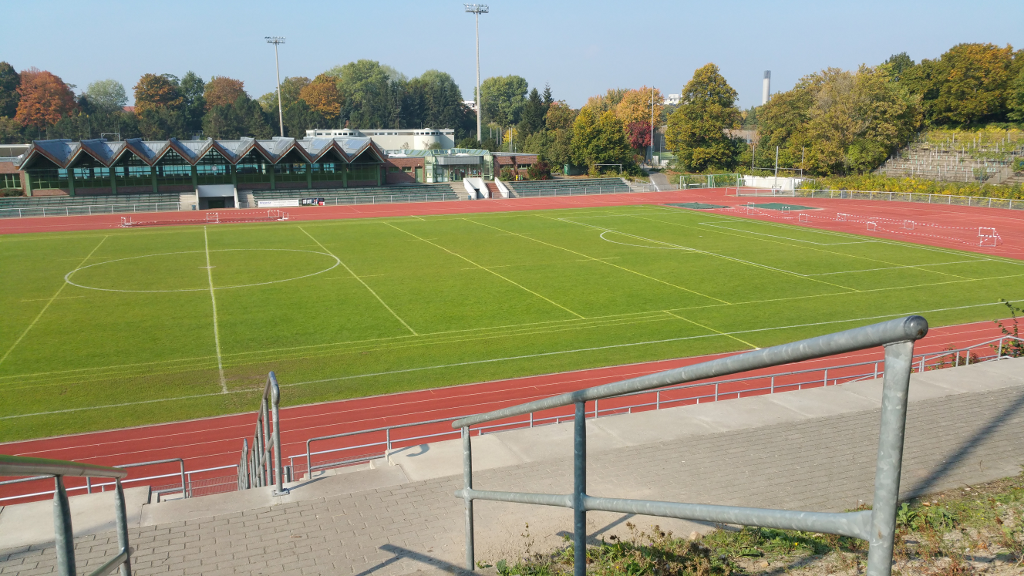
x: 970, y: 530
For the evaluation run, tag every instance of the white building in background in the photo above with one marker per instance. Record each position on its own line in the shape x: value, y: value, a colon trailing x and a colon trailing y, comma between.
x: 672, y: 99
x: 394, y: 138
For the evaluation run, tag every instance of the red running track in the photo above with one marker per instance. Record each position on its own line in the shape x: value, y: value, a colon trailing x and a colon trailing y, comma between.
x: 215, y: 442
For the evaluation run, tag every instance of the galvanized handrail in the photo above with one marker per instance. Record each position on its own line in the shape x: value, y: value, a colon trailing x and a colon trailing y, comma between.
x: 63, y: 533
x: 877, y: 526
x: 262, y: 465
x: 956, y: 357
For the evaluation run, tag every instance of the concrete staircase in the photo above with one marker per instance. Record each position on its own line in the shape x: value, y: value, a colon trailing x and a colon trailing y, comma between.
x: 460, y: 189
x: 493, y: 189
x: 951, y: 162
x: 190, y: 199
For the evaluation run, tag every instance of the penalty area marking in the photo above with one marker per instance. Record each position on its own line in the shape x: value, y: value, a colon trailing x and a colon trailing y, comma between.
x: 337, y: 262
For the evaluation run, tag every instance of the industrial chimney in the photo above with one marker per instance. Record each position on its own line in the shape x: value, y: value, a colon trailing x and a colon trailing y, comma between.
x: 766, y: 89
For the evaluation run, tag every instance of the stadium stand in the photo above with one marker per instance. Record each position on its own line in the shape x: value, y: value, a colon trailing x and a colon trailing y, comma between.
x: 573, y: 187
x: 367, y: 195
x: 28, y: 206
x: 953, y: 162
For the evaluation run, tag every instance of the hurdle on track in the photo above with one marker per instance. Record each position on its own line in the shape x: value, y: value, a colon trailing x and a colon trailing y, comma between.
x: 126, y: 222
x: 803, y: 217
x: 213, y: 218
x: 841, y: 217
x: 872, y: 227
x: 988, y: 237
x: 908, y: 224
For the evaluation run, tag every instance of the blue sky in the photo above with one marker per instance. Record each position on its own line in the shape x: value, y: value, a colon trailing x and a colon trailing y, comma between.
x: 579, y: 48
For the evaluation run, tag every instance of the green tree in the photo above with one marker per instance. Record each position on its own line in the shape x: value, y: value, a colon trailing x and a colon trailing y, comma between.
x: 371, y: 94
x: 193, y: 105
x: 696, y: 130
x: 9, y: 97
x: 502, y: 99
x: 1015, y: 101
x: 243, y: 117
x: 533, y: 113
x: 968, y: 84
x: 298, y: 118
x: 434, y: 100
x: 160, y: 122
x: 106, y: 95
x: 583, y: 134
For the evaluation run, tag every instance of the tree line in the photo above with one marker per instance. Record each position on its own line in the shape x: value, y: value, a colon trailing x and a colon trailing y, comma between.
x: 838, y: 122
x: 37, y: 104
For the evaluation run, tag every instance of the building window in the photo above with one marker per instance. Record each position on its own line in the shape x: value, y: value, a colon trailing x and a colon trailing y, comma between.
x: 91, y: 176
x: 213, y: 169
x: 52, y: 178
x: 290, y: 171
x: 10, y: 180
x: 327, y: 171
x: 132, y: 171
x: 362, y: 172
x: 253, y: 169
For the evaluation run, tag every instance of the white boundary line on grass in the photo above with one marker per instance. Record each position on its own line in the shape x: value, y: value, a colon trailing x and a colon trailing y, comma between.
x: 361, y: 281
x: 522, y: 357
x: 47, y: 306
x: 213, y: 300
x: 67, y: 277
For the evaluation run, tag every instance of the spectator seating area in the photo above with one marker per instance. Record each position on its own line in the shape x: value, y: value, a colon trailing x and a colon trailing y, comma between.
x: 31, y: 206
x: 367, y: 195
x: 569, y: 187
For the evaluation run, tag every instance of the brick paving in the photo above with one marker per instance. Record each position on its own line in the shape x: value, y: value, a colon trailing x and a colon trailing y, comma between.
x: 814, y: 464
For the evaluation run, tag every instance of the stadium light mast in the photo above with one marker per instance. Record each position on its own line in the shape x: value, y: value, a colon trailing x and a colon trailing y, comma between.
x: 477, y: 10
x: 276, y: 41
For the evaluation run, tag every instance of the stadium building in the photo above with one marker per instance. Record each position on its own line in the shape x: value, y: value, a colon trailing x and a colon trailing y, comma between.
x: 217, y: 170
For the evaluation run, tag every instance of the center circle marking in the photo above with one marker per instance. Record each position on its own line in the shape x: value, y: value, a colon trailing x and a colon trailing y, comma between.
x: 337, y: 262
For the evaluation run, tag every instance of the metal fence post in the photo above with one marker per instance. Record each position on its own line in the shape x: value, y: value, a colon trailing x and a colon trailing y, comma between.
x: 122, y: 528
x: 275, y: 396
x: 895, y: 387
x: 579, y: 513
x: 64, y: 539
x: 467, y: 480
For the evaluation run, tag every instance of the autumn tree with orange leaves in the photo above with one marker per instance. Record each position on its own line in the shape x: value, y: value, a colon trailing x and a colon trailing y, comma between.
x: 221, y: 91
x: 322, y: 96
x: 44, y: 99
x: 156, y: 91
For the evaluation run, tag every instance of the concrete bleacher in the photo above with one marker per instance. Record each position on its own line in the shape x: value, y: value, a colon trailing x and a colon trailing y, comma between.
x: 568, y: 187
x: 953, y: 162
x: 28, y: 206
x: 366, y: 195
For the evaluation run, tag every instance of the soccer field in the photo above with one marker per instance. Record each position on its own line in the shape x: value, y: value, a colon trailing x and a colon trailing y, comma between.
x: 134, y: 326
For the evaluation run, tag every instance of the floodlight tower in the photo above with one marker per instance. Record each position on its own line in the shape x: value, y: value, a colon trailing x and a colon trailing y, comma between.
x: 276, y: 41
x: 478, y: 9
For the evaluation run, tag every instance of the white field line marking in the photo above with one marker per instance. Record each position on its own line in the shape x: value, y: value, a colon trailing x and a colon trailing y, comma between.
x: 896, y: 243
x: 365, y: 285
x: 705, y: 252
x: 47, y: 306
x: 213, y: 300
x: 723, y: 227
x: 511, y: 358
x: 754, y: 346
x: 67, y: 277
x: 779, y: 241
x: 45, y: 299
x: 901, y: 267
x: 509, y: 280
x: 589, y: 257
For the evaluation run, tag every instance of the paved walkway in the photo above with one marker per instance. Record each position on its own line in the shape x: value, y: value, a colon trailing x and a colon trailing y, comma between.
x: 810, y: 450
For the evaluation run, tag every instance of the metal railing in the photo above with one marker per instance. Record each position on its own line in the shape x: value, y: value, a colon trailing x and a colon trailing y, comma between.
x: 877, y: 526
x: 387, y: 438
x: 89, y: 209
x: 261, y: 466
x: 947, y: 199
x: 63, y: 533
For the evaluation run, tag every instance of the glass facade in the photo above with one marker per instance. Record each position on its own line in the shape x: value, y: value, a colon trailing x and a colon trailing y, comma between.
x: 10, y: 180
x: 213, y: 169
x: 362, y: 172
x: 253, y: 169
x: 173, y: 169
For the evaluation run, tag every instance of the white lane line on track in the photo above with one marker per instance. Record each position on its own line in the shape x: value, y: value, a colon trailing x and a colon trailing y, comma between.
x: 213, y: 300
x: 360, y: 279
x: 511, y: 358
x: 47, y: 306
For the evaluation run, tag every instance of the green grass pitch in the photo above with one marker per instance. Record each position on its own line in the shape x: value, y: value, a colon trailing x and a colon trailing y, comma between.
x: 164, y: 324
